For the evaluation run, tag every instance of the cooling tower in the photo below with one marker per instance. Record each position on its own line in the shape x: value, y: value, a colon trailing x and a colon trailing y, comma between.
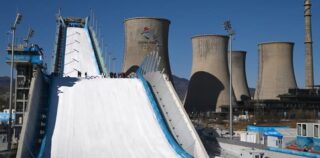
x: 276, y: 74
x: 208, y: 88
x: 239, y: 79
x: 142, y: 36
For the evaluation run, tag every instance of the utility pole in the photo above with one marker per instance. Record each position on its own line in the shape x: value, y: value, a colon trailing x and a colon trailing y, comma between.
x: 113, y: 64
x: 109, y: 62
x: 230, y: 31
x: 13, y: 31
x: 106, y: 57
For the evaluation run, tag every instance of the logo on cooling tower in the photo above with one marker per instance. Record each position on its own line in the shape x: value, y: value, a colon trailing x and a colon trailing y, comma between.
x: 150, y: 39
x: 149, y: 35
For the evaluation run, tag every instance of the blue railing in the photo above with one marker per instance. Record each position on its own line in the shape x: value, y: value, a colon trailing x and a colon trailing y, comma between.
x: 293, y: 152
x: 177, y: 148
x: 4, y: 117
x: 33, y: 59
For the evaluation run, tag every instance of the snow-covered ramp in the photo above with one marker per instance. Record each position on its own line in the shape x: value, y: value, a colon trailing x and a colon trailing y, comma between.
x: 103, y: 118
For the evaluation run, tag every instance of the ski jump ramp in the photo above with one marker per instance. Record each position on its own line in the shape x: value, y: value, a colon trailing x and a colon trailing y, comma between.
x: 104, y: 117
x: 79, y: 53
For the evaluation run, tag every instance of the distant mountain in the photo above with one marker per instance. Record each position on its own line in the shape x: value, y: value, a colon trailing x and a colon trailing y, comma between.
x: 4, y: 84
x: 181, y: 86
x: 4, y: 80
x: 251, y: 91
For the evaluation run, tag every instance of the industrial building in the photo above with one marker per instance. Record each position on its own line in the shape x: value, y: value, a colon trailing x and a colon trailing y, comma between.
x: 294, y: 104
x: 277, y: 95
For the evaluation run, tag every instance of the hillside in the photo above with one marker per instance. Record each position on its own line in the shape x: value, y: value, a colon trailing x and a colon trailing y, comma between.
x: 181, y: 86
x: 4, y: 90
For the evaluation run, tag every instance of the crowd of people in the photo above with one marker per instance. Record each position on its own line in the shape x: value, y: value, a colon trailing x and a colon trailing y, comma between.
x: 111, y: 75
x: 117, y: 75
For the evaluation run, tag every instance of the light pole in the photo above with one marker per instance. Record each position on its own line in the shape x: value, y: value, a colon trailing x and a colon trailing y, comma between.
x: 109, y: 62
x: 230, y: 31
x: 105, y: 50
x: 113, y: 64
x: 13, y: 31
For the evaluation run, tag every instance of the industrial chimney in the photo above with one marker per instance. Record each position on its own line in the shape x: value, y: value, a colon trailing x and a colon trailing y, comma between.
x: 308, y: 45
x: 142, y: 36
x: 208, y: 88
x: 239, y: 79
x: 276, y: 73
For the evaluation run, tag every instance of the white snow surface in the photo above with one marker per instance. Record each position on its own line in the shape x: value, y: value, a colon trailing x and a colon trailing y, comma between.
x: 79, y: 54
x: 104, y: 118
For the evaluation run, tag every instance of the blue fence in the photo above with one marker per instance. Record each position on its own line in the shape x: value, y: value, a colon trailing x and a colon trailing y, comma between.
x: 4, y: 117
x: 33, y: 59
x: 303, y: 142
x: 266, y: 130
x: 293, y: 152
x: 316, y: 144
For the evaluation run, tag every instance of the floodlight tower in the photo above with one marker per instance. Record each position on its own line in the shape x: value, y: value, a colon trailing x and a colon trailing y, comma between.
x: 30, y: 34
x: 13, y: 31
x: 114, y: 64
x: 231, y: 33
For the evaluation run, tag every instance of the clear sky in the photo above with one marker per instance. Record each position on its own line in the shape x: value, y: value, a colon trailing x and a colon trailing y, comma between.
x: 255, y: 21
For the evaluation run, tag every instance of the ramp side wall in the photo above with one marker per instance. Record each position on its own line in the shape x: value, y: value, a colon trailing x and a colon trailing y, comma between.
x: 176, y: 117
x: 31, y: 126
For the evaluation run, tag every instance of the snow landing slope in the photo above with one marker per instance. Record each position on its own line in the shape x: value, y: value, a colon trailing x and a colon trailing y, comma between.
x: 103, y: 118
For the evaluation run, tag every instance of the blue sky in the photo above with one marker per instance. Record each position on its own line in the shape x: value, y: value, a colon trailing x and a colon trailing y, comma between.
x: 255, y: 21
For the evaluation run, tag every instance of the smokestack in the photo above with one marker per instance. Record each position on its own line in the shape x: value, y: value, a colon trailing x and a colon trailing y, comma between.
x: 208, y: 88
x: 239, y: 79
x: 142, y: 36
x: 308, y: 45
x: 276, y: 73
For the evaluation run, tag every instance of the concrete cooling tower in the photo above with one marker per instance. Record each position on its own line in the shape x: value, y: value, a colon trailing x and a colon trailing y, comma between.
x: 143, y: 36
x: 276, y: 74
x: 239, y: 79
x: 208, y: 88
